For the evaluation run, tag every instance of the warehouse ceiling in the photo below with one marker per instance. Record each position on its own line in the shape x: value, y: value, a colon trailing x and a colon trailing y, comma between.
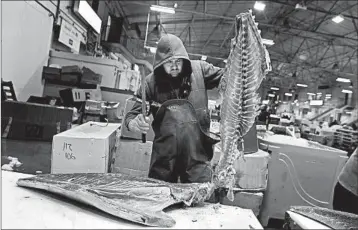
x: 309, y: 47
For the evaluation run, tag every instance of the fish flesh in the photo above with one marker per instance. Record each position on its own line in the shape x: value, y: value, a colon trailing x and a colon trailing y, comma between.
x: 247, y: 65
x: 331, y: 218
x: 136, y: 199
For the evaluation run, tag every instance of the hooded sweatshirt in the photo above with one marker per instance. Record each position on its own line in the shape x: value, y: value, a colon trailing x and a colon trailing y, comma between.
x: 196, y: 77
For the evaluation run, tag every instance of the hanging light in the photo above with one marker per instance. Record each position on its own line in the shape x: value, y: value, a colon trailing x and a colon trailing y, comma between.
x: 338, y: 19
x: 346, y: 91
x: 162, y: 9
x: 341, y: 79
x: 259, y: 6
x: 268, y: 42
x: 301, y: 85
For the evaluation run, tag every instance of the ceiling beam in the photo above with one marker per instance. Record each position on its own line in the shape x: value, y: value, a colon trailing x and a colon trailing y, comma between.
x: 216, y: 26
x: 227, y: 35
x: 229, y: 20
x: 316, y: 10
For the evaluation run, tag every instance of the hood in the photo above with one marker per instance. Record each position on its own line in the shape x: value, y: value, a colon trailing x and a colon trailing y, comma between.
x: 169, y: 47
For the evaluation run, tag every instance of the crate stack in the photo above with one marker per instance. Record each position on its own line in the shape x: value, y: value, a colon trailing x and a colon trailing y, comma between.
x: 80, y: 88
x: 345, y: 138
x: 251, y: 174
x: 250, y: 182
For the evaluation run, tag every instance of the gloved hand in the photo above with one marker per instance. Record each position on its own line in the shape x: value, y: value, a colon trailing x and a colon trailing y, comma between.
x: 139, y: 124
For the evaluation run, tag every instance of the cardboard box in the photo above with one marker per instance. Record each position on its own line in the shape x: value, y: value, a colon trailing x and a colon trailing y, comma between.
x: 125, y: 133
x: 133, y: 157
x: 252, y: 172
x: 87, y: 148
x: 31, y: 121
x: 51, y: 73
x: 248, y: 200
x: 90, y: 77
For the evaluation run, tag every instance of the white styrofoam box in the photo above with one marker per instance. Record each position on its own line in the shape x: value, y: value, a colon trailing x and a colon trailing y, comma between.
x: 86, y: 94
x: 251, y: 172
x: 129, y: 80
x: 133, y: 157
x: 249, y: 200
x: 87, y: 148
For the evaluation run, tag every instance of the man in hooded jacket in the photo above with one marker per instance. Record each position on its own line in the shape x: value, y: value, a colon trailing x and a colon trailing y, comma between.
x: 182, y: 146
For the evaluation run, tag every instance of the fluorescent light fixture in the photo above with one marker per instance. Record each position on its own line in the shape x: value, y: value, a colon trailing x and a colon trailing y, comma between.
x: 259, y: 6
x: 303, y: 57
x: 275, y: 88
x: 268, y: 42
x: 345, y: 80
x: 348, y: 112
x: 312, y: 94
x: 271, y: 95
x: 346, y: 91
x: 85, y: 11
x: 225, y: 60
x: 152, y: 49
x: 328, y: 95
x: 299, y: 6
x: 204, y: 57
x: 316, y: 102
x: 301, y: 85
x: 319, y: 93
x: 265, y: 102
x: 162, y: 9
x: 288, y: 94
x: 338, y: 19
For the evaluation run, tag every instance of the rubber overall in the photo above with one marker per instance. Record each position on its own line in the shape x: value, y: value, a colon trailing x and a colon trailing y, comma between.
x: 181, y: 149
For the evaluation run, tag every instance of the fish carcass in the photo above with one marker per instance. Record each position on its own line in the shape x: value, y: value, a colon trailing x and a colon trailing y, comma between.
x: 247, y: 65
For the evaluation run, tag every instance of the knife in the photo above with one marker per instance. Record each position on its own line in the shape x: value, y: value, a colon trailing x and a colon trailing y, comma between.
x: 143, y: 102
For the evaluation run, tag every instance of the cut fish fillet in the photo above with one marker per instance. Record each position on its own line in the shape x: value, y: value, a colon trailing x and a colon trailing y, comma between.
x: 136, y: 199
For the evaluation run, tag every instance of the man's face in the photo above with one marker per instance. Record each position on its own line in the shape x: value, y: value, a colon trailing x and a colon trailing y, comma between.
x: 173, y: 67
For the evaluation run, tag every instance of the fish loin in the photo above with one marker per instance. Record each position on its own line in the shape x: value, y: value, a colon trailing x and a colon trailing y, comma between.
x: 247, y: 65
x: 331, y: 218
x: 137, y: 199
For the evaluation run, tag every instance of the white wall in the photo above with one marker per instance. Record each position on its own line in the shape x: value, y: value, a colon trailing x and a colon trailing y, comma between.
x: 26, y: 39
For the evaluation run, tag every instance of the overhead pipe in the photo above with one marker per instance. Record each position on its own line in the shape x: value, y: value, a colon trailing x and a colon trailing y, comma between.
x: 132, y: 58
x: 47, y: 9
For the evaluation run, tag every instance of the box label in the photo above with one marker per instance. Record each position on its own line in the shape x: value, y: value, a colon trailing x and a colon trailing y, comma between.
x: 67, y: 150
